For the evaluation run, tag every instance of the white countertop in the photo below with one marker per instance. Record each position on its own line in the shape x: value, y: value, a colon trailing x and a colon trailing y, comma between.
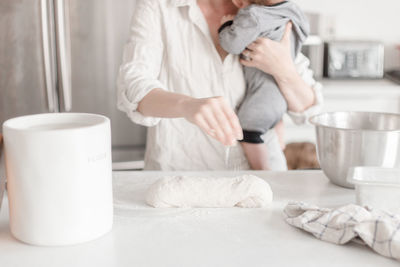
x: 144, y: 236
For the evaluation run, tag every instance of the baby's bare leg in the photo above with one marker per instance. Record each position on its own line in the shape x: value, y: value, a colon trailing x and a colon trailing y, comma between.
x: 257, y: 155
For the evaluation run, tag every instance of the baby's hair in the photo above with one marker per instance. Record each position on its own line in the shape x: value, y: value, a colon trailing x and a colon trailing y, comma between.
x: 259, y: 2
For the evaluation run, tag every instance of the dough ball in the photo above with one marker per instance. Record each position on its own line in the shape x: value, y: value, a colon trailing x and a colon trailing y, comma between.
x: 247, y: 191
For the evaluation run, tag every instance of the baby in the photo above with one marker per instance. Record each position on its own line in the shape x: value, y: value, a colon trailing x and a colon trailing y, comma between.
x: 263, y: 105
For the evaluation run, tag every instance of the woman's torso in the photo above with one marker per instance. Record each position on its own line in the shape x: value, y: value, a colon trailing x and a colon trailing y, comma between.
x: 191, y: 65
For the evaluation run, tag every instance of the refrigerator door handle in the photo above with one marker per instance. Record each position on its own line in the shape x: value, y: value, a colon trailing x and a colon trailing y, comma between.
x: 63, y: 42
x: 48, y: 66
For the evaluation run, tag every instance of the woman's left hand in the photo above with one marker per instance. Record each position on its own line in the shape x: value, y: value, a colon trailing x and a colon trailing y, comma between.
x: 271, y: 56
x: 275, y: 58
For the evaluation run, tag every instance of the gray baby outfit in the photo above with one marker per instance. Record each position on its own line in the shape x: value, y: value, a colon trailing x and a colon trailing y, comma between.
x: 263, y: 105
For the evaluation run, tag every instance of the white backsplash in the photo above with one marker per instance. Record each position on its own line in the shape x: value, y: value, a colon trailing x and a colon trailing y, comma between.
x: 361, y: 19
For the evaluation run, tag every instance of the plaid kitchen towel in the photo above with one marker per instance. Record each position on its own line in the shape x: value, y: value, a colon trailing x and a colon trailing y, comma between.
x: 378, y: 229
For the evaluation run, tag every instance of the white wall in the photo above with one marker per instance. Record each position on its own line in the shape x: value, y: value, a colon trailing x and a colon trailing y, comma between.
x: 361, y: 19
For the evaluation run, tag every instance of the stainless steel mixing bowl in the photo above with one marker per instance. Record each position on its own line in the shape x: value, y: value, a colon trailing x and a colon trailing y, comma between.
x: 349, y: 139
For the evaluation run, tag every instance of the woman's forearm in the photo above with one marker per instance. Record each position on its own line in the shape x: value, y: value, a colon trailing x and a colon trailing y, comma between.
x: 298, y: 94
x: 163, y: 104
x: 213, y: 115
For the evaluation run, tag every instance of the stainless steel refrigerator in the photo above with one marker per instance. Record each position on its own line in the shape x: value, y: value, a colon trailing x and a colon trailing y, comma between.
x: 63, y: 56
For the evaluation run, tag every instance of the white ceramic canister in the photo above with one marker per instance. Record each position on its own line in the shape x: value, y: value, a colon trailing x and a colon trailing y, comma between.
x: 59, y: 177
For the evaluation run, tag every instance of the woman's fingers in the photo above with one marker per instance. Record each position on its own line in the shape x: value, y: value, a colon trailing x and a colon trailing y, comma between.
x: 203, y: 124
x: 233, y: 120
x: 216, y: 131
x: 262, y: 41
x: 229, y: 139
x: 272, y: 57
x: 247, y: 63
x: 286, y: 36
x: 217, y: 125
x: 219, y: 106
x: 215, y: 117
x: 250, y: 59
x: 254, y: 46
x: 253, y: 52
x: 246, y: 55
x: 226, y: 119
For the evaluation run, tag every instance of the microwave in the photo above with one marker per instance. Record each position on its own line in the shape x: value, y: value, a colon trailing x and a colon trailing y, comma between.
x: 354, y: 60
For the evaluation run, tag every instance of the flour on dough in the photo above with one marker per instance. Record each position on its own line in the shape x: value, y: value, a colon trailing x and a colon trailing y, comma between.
x: 247, y: 191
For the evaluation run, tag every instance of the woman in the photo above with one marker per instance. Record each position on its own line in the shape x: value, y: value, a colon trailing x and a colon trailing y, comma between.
x: 174, y: 68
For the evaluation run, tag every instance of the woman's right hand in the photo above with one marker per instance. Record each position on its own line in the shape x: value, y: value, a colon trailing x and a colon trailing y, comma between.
x: 215, y: 117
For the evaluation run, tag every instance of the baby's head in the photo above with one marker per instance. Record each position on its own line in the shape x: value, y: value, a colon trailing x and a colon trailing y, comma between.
x: 245, y: 3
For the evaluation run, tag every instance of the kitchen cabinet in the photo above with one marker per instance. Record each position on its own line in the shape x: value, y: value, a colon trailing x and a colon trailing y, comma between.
x: 144, y: 236
x: 349, y: 95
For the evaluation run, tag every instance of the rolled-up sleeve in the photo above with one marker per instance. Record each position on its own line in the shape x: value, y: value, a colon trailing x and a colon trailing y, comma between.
x: 142, y: 59
x: 302, y: 65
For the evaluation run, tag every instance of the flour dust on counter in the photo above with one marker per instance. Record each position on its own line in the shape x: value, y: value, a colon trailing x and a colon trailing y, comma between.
x: 246, y: 191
